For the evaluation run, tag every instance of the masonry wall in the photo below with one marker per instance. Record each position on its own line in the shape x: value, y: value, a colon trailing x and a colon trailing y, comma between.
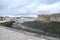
x: 43, y: 18
x: 54, y: 18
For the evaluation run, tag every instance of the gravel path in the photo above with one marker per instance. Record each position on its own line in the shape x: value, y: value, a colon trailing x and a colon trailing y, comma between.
x: 8, y: 34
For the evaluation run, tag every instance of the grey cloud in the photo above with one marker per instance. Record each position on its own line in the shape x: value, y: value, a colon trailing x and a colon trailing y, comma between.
x: 15, y: 6
x: 52, y: 1
x: 2, y: 7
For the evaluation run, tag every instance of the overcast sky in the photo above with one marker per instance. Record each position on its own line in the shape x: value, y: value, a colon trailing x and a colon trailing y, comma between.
x: 26, y: 7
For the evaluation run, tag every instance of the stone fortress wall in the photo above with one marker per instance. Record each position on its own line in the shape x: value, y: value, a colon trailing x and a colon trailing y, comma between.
x: 47, y: 18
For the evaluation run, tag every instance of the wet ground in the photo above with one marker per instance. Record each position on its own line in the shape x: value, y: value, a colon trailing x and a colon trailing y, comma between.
x: 50, y: 28
x: 30, y: 30
x: 7, y: 33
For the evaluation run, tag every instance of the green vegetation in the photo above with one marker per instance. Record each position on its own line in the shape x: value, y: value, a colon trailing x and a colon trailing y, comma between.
x: 1, y: 18
x: 8, y: 24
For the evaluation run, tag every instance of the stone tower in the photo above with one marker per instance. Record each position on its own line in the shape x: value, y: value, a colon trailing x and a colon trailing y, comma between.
x: 42, y: 16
